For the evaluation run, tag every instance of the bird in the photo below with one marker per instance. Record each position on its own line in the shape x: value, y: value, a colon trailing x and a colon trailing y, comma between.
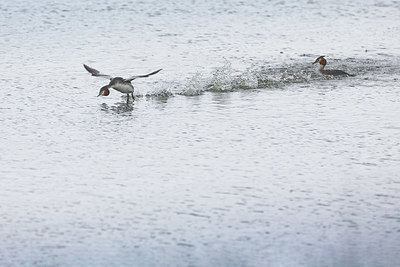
x: 118, y: 83
x: 322, y: 63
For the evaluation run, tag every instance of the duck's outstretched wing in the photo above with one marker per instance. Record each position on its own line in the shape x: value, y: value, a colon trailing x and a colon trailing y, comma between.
x: 96, y: 73
x: 142, y: 76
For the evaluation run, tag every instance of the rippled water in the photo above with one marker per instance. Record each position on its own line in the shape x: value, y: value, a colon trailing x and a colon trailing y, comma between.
x: 237, y: 153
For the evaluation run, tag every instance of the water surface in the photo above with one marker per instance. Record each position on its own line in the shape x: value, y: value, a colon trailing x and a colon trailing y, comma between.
x: 237, y: 153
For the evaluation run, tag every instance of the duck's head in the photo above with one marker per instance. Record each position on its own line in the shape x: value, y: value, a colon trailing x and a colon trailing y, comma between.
x: 321, y: 60
x: 104, y: 91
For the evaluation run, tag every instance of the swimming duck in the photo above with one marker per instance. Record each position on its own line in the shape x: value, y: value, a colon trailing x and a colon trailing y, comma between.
x: 120, y: 84
x: 322, y: 63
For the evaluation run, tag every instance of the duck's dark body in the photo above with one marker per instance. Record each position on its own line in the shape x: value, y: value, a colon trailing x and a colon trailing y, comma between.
x: 335, y: 73
x: 322, y: 61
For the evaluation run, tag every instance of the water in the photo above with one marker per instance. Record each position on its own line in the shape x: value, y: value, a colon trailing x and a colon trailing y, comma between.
x: 237, y: 153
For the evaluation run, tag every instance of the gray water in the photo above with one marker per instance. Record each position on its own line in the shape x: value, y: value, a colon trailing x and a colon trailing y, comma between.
x: 236, y: 154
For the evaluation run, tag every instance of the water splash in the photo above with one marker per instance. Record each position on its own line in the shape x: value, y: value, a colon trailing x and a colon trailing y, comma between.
x: 195, y: 85
x: 222, y: 79
x: 263, y: 75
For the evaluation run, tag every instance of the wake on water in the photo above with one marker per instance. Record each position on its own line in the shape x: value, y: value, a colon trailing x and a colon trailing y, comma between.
x: 266, y: 76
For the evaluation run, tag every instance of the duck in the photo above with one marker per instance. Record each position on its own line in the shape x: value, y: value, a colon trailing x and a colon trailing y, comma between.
x: 118, y: 83
x: 322, y: 63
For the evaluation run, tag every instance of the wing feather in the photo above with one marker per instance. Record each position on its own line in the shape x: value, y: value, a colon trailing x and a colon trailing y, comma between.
x: 96, y: 73
x: 142, y: 76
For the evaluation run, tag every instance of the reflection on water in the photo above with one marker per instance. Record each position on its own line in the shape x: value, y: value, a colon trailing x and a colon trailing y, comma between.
x: 221, y: 101
x: 118, y: 108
